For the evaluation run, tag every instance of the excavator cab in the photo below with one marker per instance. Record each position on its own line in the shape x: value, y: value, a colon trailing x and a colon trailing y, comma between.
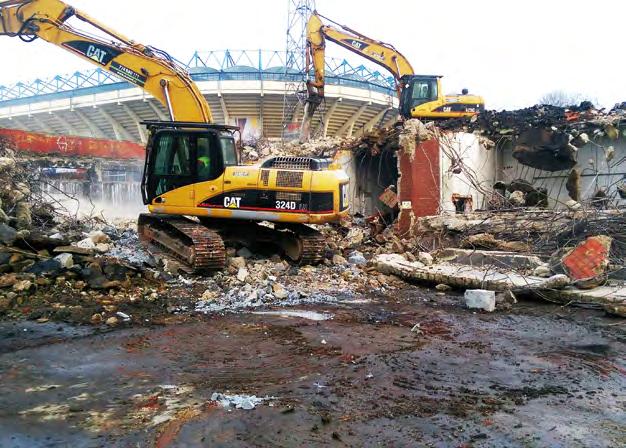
x: 181, y: 154
x: 417, y: 90
x: 421, y: 97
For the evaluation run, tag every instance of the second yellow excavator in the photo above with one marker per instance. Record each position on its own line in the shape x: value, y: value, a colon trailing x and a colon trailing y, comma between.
x: 191, y: 165
x: 420, y: 96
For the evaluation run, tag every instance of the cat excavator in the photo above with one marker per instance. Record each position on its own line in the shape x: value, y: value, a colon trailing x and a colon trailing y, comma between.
x: 420, y: 95
x: 198, y: 195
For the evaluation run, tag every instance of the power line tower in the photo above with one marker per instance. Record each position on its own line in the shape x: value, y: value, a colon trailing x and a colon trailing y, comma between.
x: 298, y: 12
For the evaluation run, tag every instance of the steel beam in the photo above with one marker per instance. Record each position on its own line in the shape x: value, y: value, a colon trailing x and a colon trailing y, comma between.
x: 158, y: 112
x: 224, y: 108
x: 71, y: 129
x: 327, y: 117
x: 390, y: 121
x: 42, y: 124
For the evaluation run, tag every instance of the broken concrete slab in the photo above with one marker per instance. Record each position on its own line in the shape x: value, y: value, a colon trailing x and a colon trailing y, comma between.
x: 555, y: 288
x: 73, y: 250
x: 478, y: 257
x: 66, y: 260
x: 460, y: 276
x: 488, y: 241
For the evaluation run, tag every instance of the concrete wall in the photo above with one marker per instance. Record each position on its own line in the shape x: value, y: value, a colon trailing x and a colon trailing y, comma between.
x: 426, y: 180
x: 596, y: 172
x: 478, y: 169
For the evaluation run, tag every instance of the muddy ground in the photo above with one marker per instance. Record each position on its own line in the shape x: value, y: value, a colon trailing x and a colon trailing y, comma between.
x: 537, y: 375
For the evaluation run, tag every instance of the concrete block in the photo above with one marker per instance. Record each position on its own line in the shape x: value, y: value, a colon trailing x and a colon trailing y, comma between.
x: 66, y: 260
x: 481, y: 299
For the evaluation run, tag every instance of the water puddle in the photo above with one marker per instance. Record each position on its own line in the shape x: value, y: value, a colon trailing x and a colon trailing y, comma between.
x: 311, y: 315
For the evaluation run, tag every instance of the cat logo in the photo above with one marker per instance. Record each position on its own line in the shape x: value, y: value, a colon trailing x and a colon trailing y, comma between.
x: 231, y: 202
x: 356, y: 44
x: 97, y: 54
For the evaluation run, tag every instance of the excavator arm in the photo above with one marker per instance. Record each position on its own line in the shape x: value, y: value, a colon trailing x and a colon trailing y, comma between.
x: 376, y: 51
x: 151, y: 69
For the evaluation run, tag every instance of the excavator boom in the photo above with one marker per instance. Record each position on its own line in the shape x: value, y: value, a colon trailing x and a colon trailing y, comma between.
x: 149, y: 68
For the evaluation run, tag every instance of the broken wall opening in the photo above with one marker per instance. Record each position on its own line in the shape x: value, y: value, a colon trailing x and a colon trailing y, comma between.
x: 374, y: 173
x: 371, y: 173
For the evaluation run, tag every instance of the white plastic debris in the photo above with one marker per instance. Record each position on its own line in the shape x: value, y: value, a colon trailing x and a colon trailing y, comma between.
x: 246, y: 402
x: 124, y: 316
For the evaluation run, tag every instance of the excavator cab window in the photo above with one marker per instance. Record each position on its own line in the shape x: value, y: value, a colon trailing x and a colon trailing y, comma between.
x: 179, y: 158
x: 418, y: 90
x: 229, y: 151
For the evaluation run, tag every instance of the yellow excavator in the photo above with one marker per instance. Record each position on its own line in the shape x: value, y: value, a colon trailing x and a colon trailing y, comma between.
x: 420, y: 95
x: 191, y: 165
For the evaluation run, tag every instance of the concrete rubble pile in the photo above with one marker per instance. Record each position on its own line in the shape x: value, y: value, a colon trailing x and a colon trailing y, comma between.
x: 567, y: 257
x: 571, y: 256
x: 543, y: 136
x: 373, y: 141
x: 254, y: 280
x: 53, y: 265
x: 518, y: 248
x: 262, y: 149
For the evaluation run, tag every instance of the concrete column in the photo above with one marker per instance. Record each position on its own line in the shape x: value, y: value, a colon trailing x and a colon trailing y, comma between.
x: 349, y: 125
x: 143, y: 136
x: 96, y: 132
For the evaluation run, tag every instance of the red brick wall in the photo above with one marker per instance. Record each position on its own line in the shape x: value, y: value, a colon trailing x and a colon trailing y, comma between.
x: 420, y: 183
x: 71, y: 146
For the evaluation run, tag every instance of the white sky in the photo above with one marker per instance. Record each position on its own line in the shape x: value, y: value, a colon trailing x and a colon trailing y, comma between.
x: 509, y: 52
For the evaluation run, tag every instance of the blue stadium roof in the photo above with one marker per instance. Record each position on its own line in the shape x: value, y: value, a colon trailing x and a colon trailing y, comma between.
x: 203, y: 66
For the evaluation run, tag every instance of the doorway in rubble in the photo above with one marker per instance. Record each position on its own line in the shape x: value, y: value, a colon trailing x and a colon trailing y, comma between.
x: 375, y: 183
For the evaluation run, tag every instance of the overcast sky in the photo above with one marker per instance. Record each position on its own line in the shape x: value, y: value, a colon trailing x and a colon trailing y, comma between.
x: 510, y: 52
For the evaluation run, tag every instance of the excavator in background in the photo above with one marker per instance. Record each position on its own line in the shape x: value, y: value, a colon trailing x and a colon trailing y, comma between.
x: 420, y: 95
x: 191, y: 165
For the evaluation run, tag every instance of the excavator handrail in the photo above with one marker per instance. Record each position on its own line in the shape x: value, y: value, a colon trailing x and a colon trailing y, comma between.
x: 149, y: 68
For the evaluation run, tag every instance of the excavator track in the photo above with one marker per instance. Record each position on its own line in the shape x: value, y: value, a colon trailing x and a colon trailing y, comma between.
x: 301, y: 243
x: 197, y: 248
x: 311, y: 244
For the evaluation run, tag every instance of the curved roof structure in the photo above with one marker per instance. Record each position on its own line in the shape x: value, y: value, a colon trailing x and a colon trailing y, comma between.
x: 245, y: 88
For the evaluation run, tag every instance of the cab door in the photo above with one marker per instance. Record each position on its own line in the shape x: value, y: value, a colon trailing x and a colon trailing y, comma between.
x: 169, y: 174
x: 212, y: 158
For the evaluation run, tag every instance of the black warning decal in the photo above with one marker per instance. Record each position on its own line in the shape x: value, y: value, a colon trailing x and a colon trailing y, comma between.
x: 128, y: 74
x: 102, y: 54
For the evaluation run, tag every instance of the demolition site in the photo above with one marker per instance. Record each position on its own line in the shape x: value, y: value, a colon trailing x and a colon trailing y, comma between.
x: 281, y: 248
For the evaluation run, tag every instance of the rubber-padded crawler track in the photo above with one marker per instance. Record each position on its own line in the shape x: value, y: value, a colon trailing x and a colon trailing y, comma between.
x: 198, y: 248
